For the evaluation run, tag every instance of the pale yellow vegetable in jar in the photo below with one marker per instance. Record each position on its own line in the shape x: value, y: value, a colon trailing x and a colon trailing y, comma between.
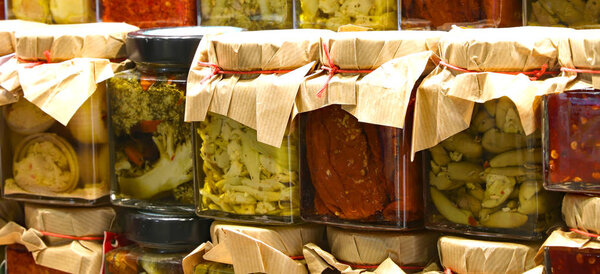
x: 331, y: 14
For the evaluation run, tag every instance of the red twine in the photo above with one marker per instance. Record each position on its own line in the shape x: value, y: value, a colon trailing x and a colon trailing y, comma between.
x: 448, y: 271
x: 587, y: 234
x: 333, y: 69
x: 83, y: 238
x: 217, y: 70
x: 580, y: 70
x: 297, y: 257
x: 533, y: 75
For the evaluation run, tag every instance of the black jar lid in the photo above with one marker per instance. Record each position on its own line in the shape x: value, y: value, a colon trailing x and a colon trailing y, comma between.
x: 169, y: 46
x: 166, y: 232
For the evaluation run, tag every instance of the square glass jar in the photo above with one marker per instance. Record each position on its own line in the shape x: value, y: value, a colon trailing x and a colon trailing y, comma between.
x: 582, y: 14
x: 151, y: 145
x: 442, y: 14
x: 331, y: 14
x: 487, y: 180
x: 149, y: 14
x: 46, y: 162
x: 359, y: 175
x: 571, y: 139
x: 247, y: 14
x: 52, y: 11
x: 240, y: 179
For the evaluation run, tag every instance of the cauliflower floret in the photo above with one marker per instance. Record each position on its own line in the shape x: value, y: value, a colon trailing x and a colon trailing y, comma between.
x: 356, y: 8
x: 329, y: 6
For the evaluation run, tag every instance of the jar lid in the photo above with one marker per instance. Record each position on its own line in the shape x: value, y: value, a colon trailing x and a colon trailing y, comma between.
x: 169, y: 46
x: 166, y: 232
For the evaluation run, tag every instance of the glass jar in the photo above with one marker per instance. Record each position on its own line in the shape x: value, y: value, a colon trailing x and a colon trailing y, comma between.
x: 151, y: 145
x: 331, y: 14
x: 161, y: 243
x: 359, y: 175
x: 247, y: 14
x: 487, y: 180
x: 244, y: 180
x: 213, y: 268
x: 562, y: 259
x: 52, y: 11
x: 441, y: 14
x: 571, y: 137
x: 46, y: 162
x: 149, y: 14
x: 573, y: 14
x: 19, y: 260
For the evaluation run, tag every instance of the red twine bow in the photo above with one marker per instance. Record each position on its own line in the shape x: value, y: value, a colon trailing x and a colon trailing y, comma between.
x: 74, y: 238
x: 580, y: 70
x: 215, y: 69
x: 37, y: 63
x: 333, y: 70
x: 533, y: 75
x: 587, y: 234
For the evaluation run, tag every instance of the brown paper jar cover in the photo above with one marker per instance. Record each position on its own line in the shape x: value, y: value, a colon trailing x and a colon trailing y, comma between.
x: 7, y: 33
x: 287, y: 239
x: 463, y: 255
x: 372, y: 248
x: 69, y: 221
x: 581, y: 212
x: 64, y: 42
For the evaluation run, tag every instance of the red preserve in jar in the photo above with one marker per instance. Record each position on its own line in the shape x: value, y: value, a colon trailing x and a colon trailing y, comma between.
x: 562, y: 259
x: 572, y: 141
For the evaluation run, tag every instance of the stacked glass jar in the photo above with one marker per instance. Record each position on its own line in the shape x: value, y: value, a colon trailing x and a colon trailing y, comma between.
x: 151, y: 145
x: 52, y: 11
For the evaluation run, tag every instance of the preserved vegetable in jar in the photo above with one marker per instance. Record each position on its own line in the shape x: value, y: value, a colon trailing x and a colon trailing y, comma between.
x: 161, y: 243
x: 213, y: 268
x: 331, y: 14
x: 245, y: 179
x: 562, y: 259
x: 488, y: 179
x: 44, y: 160
x: 555, y: 13
x: 248, y: 14
x: 441, y: 14
x: 151, y: 145
x: 52, y: 11
x: 572, y: 141
x: 149, y: 14
x: 359, y: 174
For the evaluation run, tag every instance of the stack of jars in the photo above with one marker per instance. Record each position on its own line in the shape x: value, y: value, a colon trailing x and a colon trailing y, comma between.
x: 571, y: 146
x: 287, y: 14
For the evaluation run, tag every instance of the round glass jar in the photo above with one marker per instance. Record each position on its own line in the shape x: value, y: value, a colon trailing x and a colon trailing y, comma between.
x: 161, y: 243
x: 150, y: 144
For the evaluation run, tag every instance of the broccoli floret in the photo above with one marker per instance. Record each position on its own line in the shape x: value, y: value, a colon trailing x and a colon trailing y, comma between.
x: 173, y: 168
x: 184, y: 193
x: 129, y: 103
x: 132, y: 104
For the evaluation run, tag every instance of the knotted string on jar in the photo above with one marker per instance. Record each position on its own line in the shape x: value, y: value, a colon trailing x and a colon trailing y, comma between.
x: 333, y: 69
x: 48, y: 56
x: 533, y: 74
x: 215, y: 70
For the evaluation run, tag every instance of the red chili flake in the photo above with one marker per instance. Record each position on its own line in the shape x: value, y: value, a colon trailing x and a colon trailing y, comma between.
x: 151, y: 14
x: 486, y: 164
x: 472, y: 221
x: 173, y: 157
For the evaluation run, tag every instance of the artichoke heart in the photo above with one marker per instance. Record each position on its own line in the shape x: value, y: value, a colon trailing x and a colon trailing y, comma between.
x: 32, y: 10
x: 72, y: 11
x: 26, y: 118
x: 88, y: 125
x: 498, y: 189
x: 45, y: 163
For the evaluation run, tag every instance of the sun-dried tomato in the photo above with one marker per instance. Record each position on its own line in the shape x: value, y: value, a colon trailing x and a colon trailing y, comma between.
x: 151, y: 14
